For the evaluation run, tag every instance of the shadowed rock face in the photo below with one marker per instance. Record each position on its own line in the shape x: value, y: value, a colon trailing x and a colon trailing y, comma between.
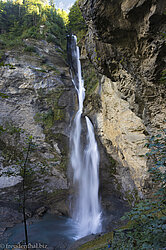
x: 125, y: 44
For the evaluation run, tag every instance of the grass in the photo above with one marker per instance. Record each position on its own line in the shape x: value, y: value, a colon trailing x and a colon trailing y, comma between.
x: 100, y: 243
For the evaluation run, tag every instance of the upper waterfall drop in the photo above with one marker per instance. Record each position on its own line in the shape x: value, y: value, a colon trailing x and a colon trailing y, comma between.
x: 85, y: 163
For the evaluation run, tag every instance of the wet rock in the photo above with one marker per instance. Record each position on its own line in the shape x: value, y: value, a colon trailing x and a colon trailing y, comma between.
x: 41, y: 211
x: 8, y: 217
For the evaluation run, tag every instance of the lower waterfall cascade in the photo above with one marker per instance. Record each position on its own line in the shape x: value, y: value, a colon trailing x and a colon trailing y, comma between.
x: 85, y: 162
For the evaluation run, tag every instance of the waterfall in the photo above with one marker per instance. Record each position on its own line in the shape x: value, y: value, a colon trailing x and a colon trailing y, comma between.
x: 84, y: 162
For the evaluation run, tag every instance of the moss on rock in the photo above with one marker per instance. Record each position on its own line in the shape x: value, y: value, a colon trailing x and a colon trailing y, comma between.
x: 55, y: 112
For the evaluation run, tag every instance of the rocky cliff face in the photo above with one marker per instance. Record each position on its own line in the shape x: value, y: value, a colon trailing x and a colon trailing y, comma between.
x: 125, y: 100
x: 41, y: 102
x: 125, y: 44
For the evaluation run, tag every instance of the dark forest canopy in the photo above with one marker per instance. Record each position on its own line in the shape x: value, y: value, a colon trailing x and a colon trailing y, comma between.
x: 77, y: 23
x: 37, y: 19
x: 31, y: 18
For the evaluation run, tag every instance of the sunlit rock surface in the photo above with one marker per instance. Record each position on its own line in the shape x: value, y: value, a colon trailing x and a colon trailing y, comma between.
x: 41, y: 101
x: 118, y: 125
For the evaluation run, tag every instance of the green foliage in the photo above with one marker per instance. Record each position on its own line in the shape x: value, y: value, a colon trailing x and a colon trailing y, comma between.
x: 2, y: 129
x: 163, y: 77
x: 147, y: 228
x: 3, y: 95
x: 91, y: 82
x: 64, y: 16
x: 51, y: 38
x: 97, y: 243
x: 47, y: 118
x: 55, y: 113
x: 10, y: 67
x: 30, y: 19
x: 10, y: 41
x: 76, y: 21
x: 132, y: 197
x: 30, y: 49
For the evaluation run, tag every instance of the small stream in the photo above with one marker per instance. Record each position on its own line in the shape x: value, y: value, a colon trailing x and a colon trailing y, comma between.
x: 50, y: 230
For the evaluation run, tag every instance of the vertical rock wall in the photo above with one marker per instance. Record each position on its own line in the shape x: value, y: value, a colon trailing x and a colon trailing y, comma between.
x: 41, y: 103
x: 126, y: 45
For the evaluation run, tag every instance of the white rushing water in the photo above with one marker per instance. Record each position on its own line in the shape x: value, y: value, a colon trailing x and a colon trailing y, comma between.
x: 85, y: 164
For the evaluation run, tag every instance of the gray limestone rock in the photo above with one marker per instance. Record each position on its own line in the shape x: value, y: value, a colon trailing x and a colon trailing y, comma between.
x: 126, y: 46
x: 40, y: 103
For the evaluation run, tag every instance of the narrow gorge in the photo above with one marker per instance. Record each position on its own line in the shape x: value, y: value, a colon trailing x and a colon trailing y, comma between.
x: 90, y: 143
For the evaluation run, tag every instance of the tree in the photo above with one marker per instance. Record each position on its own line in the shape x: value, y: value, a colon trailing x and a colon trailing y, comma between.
x: 24, y: 168
x: 51, y: 3
x: 147, y: 220
x: 24, y: 174
x: 64, y: 15
x: 23, y: 19
x: 77, y: 23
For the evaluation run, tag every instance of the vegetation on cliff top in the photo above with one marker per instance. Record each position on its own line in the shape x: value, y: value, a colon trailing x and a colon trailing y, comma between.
x: 76, y: 24
x: 31, y: 19
x: 37, y: 19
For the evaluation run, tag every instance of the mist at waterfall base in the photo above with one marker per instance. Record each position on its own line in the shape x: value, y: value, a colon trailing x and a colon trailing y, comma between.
x: 51, y: 230
x: 84, y: 161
